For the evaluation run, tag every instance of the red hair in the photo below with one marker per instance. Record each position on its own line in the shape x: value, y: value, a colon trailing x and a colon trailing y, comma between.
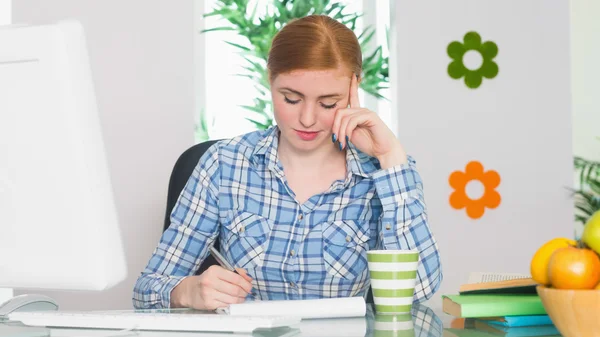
x: 315, y: 42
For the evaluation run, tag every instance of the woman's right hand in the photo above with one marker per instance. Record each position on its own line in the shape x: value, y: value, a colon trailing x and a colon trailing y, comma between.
x: 216, y: 287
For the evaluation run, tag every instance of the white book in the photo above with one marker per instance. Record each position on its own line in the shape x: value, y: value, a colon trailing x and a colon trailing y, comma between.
x: 482, y: 277
x: 342, y: 307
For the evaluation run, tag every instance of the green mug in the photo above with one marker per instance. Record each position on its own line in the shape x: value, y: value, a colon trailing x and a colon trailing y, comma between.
x: 393, y: 276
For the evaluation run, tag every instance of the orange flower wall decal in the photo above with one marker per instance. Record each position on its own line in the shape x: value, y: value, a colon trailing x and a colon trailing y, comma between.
x: 474, y: 189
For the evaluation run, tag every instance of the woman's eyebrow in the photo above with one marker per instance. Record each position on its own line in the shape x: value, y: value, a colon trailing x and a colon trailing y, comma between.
x: 302, y: 95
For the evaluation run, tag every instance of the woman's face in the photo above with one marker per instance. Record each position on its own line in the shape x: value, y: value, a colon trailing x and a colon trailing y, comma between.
x: 305, y: 103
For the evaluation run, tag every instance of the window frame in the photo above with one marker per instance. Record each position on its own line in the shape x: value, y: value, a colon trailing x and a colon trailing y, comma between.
x: 5, y: 12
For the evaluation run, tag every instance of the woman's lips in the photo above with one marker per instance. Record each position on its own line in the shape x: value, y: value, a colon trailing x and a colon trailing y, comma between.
x: 307, y: 135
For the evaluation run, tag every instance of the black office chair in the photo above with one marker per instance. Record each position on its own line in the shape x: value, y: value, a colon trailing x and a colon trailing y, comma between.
x: 183, y: 169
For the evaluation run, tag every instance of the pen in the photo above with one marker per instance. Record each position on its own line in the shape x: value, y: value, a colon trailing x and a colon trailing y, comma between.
x: 224, y: 263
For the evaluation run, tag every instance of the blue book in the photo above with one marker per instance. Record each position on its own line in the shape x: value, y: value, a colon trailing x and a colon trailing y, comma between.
x: 516, y: 321
x: 522, y: 331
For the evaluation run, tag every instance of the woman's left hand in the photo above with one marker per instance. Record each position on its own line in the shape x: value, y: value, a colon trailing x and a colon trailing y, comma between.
x: 367, y: 132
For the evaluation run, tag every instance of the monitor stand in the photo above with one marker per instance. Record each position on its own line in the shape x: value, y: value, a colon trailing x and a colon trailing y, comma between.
x: 17, y: 329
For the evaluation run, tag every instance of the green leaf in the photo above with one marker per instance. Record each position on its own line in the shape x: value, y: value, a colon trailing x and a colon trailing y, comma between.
x: 375, y: 54
x: 216, y: 29
x: 594, y: 186
x: 259, y: 125
x: 245, y: 75
x: 365, y: 40
x: 584, y: 208
x: 253, y: 108
x: 238, y: 46
x: 223, y: 11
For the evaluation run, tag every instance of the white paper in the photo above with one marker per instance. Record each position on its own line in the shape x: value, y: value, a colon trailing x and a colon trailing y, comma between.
x: 481, y: 277
x: 305, y: 309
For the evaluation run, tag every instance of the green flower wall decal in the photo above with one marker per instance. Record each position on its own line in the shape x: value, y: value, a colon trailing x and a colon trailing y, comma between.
x: 472, y: 60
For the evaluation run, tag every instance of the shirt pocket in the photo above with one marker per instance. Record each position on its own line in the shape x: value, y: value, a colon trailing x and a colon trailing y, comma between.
x: 245, y: 237
x: 345, y: 245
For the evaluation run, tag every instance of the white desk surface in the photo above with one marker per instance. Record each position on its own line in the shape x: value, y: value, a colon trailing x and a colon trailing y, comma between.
x: 426, y: 323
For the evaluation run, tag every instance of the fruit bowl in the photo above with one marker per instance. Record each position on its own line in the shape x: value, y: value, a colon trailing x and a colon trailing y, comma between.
x: 575, y: 313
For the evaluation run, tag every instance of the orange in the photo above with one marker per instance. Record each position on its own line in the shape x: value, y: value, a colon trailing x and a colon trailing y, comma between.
x: 539, y: 262
x: 574, y: 268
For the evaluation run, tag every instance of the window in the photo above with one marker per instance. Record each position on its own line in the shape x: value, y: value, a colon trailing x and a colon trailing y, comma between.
x: 5, y: 12
x: 220, y: 93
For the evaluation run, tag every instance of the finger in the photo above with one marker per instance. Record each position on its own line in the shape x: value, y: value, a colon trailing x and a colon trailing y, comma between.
x: 229, y: 288
x: 226, y: 298
x: 337, y: 122
x: 235, y: 279
x: 335, y: 128
x: 244, y: 274
x: 343, y: 131
x: 211, y: 304
x: 354, y: 102
x: 353, y: 122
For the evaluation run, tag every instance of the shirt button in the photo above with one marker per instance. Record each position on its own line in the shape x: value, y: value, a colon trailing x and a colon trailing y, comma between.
x: 300, y: 217
x: 348, y: 238
x: 292, y: 252
x: 292, y: 284
x: 242, y: 229
x: 388, y: 227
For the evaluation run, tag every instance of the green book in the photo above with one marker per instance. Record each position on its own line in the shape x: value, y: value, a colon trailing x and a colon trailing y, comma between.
x: 480, y: 305
x: 452, y: 332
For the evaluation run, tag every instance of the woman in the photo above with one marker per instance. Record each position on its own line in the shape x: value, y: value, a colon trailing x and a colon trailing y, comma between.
x: 296, y: 207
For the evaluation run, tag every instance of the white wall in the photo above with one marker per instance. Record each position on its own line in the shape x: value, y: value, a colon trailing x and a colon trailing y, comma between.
x: 142, y: 58
x: 517, y: 124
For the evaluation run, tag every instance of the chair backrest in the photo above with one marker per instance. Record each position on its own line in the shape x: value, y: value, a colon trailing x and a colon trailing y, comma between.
x: 183, y: 169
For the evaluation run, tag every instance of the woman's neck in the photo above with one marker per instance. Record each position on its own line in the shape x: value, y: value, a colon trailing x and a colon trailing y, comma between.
x: 310, y: 161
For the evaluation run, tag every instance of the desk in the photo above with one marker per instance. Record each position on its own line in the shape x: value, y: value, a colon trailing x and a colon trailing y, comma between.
x: 424, y: 322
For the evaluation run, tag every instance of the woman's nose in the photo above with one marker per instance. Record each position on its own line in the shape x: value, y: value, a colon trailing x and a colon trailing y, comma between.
x: 308, y: 115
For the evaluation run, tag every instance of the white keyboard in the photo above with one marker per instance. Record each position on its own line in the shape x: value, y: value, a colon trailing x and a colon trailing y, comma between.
x: 161, y: 321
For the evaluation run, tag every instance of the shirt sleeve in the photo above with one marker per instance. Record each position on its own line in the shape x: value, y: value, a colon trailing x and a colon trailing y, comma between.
x: 184, y: 245
x: 403, y: 223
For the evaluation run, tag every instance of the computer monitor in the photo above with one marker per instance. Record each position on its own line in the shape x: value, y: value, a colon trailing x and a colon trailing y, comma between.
x: 58, y: 220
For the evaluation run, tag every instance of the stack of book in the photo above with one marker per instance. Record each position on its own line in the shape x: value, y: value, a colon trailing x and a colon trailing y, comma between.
x: 498, y: 305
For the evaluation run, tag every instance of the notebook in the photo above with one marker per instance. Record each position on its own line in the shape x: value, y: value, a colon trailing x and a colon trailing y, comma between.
x: 498, y: 283
x: 492, y: 305
x: 519, y: 321
x: 341, y: 307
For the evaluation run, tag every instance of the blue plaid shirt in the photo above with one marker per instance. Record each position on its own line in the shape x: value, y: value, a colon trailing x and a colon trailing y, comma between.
x: 238, y: 193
